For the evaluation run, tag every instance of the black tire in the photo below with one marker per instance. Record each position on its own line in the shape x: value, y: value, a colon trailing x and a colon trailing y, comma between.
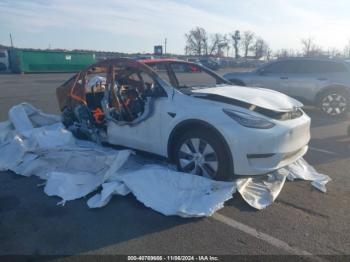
x: 237, y: 82
x: 204, y: 165
x: 334, y: 102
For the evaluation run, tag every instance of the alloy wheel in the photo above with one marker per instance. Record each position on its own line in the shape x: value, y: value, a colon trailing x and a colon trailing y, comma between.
x: 334, y: 104
x: 198, y: 157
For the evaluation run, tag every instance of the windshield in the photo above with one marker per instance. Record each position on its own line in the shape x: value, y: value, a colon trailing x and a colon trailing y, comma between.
x: 190, y: 76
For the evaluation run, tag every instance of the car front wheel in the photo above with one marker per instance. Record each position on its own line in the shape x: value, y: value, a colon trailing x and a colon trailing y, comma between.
x: 334, y: 103
x: 203, y: 153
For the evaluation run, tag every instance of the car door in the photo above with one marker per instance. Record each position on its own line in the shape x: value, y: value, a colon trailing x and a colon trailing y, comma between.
x: 272, y: 76
x: 145, y: 135
x: 312, y: 76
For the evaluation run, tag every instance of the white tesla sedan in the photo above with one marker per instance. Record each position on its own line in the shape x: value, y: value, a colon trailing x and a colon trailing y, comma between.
x: 186, y: 113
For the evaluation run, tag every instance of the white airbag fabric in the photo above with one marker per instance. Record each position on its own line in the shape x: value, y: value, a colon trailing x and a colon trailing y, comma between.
x: 35, y: 143
x: 261, y: 191
x: 302, y: 170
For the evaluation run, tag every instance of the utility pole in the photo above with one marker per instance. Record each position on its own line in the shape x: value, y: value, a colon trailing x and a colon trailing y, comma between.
x: 10, y: 53
x: 165, y: 41
x: 236, y: 38
x: 11, y: 40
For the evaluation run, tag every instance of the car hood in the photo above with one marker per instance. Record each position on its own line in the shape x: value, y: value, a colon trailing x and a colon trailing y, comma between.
x: 261, y: 97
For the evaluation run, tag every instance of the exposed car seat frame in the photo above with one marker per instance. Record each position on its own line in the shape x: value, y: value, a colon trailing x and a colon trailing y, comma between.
x: 114, y: 103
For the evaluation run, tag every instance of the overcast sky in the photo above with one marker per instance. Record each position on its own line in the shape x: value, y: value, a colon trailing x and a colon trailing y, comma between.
x: 138, y: 25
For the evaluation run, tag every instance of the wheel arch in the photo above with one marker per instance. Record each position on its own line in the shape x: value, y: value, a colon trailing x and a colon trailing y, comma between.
x: 337, y: 87
x: 189, y: 124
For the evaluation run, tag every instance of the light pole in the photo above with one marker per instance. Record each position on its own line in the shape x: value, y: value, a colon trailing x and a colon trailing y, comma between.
x: 165, y: 42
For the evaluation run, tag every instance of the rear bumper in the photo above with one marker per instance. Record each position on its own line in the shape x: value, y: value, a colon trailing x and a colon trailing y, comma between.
x: 260, y: 151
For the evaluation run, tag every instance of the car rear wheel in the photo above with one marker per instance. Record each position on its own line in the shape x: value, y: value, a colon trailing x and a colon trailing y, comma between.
x: 334, y: 102
x: 203, y: 153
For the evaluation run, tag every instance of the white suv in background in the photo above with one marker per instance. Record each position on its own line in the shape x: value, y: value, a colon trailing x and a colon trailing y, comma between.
x: 322, y: 82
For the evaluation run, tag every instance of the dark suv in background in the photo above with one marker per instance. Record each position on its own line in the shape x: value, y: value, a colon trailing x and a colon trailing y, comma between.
x: 322, y: 82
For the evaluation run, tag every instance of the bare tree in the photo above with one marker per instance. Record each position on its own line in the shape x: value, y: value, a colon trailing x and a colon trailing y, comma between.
x: 307, y: 44
x: 282, y: 53
x: 218, y: 44
x: 268, y: 53
x: 214, y: 44
x: 247, y: 41
x: 225, y: 45
x: 260, y: 48
x: 205, y: 43
x: 310, y: 48
x: 196, y: 42
x: 236, y: 38
x: 334, y: 52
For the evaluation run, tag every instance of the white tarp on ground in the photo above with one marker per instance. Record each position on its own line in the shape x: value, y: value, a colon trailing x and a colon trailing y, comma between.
x: 35, y: 143
x: 261, y: 191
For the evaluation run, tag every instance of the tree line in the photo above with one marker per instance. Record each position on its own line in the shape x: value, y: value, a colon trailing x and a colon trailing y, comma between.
x: 248, y: 44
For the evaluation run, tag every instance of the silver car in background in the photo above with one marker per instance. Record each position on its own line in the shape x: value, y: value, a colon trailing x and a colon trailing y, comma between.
x: 321, y: 82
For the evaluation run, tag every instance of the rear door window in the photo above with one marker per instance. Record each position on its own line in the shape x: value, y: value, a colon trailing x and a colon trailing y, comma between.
x: 282, y: 67
x: 315, y: 67
x: 334, y: 67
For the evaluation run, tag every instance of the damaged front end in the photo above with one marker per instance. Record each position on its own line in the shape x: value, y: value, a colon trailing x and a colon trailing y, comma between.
x: 296, y: 112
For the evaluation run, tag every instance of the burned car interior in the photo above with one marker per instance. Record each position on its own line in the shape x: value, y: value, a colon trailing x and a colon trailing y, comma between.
x: 120, y: 90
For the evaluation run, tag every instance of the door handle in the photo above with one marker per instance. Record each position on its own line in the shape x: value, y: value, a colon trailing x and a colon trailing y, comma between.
x: 283, y: 77
x: 322, y: 79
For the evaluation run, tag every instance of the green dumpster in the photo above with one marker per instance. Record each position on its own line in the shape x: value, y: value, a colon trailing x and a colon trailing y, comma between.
x: 39, y: 61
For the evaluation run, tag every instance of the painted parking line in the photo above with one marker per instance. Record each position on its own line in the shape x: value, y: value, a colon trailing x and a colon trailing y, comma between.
x: 324, y: 151
x: 267, y: 238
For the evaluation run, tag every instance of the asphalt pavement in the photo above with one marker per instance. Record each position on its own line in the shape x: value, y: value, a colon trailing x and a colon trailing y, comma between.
x: 301, y: 221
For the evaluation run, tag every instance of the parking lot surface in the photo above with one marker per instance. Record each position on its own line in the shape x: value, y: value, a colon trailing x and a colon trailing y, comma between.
x: 301, y: 221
